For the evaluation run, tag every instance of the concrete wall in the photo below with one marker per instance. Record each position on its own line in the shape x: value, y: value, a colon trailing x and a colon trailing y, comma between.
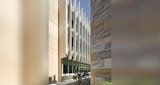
x: 10, y: 42
x: 62, y: 37
x: 62, y: 28
x: 23, y: 42
x: 100, y: 41
x: 35, y: 38
x: 53, y: 38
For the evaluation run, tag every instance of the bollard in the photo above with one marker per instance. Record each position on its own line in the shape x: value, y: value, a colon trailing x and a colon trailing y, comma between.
x: 50, y: 80
x: 54, y: 79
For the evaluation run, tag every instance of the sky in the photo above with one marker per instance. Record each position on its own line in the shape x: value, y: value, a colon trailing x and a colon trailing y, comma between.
x: 86, y: 7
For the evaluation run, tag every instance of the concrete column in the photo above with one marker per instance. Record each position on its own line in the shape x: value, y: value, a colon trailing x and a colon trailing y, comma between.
x: 88, y: 42
x: 10, y: 42
x: 84, y: 32
x: 89, y: 45
x: 79, y: 33
x: 74, y: 28
x: 85, y: 39
x: 35, y: 42
x: 67, y: 25
x: 53, y: 39
x: 62, y: 69
x: 70, y: 55
x: 82, y: 35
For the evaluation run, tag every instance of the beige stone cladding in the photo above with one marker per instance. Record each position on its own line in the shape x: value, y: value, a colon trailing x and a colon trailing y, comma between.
x: 53, y: 38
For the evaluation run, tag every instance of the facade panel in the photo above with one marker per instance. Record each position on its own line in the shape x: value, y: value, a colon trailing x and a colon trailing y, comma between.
x: 73, y: 35
x: 53, y: 38
x: 100, y: 41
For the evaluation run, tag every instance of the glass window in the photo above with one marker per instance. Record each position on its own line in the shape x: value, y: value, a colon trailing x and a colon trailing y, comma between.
x: 77, y: 45
x: 65, y: 68
x: 70, y: 68
x: 80, y: 28
x: 77, y: 25
x: 72, y: 43
x: 72, y: 23
x: 74, y: 69
x: 77, y: 68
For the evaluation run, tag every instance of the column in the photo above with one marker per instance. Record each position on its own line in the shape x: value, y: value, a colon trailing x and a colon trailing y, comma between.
x: 74, y: 29
x: 79, y: 32
x: 35, y: 42
x: 70, y: 52
x: 82, y: 36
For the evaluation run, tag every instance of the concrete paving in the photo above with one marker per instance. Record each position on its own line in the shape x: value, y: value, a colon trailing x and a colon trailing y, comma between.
x: 64, y: 82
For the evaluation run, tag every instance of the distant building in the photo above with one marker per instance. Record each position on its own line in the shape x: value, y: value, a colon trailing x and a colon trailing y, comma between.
x: 69, y: 39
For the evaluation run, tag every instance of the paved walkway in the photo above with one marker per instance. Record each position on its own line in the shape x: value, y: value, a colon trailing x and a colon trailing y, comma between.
x: 65, y: 82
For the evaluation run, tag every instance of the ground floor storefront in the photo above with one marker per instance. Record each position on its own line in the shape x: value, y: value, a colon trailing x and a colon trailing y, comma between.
x: 70, y: 68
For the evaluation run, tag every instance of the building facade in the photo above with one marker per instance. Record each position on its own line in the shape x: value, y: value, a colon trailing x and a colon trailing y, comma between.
x: 100, y: 41
x: 69, y: 39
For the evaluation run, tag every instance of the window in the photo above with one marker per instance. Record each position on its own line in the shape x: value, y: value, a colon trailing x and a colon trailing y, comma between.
x: 83, y: 31
x: 74, y: 69
x: 70, y: 68
x: 77, y: 45
x: 72, y: 43
x: 72, y: 23
x: 77, y: 68
x: 72, y: 20
x: 77, y: 25
x: 65, y: 68
x: 80, y: 28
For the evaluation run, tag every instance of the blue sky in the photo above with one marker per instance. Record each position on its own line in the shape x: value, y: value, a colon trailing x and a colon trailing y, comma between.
x: 86, y: 7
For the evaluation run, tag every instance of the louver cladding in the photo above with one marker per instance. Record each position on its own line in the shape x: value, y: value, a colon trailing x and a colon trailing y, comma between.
x: 76, y: 27
x: 74, y: 37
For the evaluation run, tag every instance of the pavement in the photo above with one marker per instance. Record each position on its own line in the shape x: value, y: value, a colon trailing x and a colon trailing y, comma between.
x: 66, y: 82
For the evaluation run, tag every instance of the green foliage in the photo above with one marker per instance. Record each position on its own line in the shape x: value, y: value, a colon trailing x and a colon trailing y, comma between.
x: 105, y: 83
